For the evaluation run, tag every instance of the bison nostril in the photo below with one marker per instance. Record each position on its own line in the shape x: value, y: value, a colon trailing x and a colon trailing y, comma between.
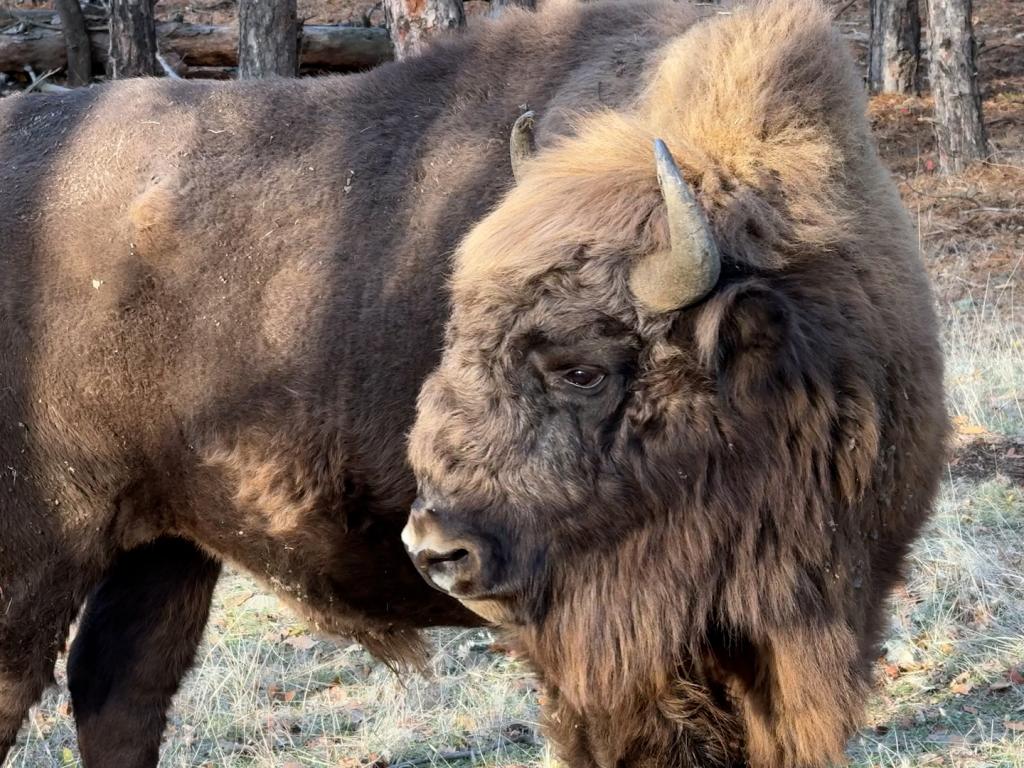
x: 448, y: 570
x: 455, y: 557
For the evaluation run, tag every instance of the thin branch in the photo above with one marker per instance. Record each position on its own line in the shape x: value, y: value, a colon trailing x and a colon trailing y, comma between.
x: 989, y: 48
x: 473, y: 753
x: 167, y: 68
x: 844, y: 9
x: 915, y: 190
x: 40, y: 84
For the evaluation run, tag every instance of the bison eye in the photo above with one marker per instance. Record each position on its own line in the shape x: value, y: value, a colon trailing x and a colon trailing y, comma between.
x: 583, y: 378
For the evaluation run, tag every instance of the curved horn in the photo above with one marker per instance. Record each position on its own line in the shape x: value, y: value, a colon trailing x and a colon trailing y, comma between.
x: 688, y: 270
x: 521, y: 145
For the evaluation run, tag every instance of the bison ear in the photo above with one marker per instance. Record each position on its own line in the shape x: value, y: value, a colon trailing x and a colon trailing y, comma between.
x: 749, y: 336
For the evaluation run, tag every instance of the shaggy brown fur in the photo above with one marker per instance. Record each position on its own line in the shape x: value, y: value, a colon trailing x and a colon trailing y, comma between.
x: 217, y: 304
x: 696, y: 554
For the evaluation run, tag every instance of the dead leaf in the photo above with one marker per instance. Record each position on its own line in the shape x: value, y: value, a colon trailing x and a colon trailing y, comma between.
x: 336, y: 694
x: 961, y: 684
x: 1014, y: 725
x: 1016, y: 677
x: 965, y: 427
x: 1000, y: 686
x: 892, y: 671
x: 300, y: 642
x: 276, y: 692
x: 962, y: 689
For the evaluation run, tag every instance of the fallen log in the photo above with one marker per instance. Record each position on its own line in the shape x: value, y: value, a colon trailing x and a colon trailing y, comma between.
x: 33, y: 39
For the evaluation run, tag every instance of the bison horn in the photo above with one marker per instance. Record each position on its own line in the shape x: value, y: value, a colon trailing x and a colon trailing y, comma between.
x: 688, y: 270
x: 521, y: 145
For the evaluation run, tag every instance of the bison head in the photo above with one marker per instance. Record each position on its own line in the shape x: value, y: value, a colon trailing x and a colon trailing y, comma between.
x: 527, y: 441
x: 617, y: 350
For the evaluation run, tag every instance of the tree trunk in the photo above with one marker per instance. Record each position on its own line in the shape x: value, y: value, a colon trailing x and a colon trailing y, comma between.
x: 895, y: 46
x: 268, y: 38
x: 76, y: 39
x: 413, y: 22
x: 959, y: 130
x: 497, y: 6
x: 132, y: 39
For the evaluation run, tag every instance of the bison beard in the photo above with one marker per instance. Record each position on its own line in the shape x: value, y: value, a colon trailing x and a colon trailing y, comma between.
x: 218, y: 302
x: 689, y: 508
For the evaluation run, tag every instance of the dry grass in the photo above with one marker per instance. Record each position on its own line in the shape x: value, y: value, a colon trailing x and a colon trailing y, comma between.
x: 985, y: 362
x: 950, y: 691
x: 267, y: 693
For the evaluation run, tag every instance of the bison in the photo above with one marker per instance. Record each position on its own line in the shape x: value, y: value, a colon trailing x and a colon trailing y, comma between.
x: 689, y: 416
x: 678, y: 442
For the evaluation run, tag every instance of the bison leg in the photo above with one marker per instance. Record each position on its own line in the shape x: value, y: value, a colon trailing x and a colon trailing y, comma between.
x: 805, y: 699
x: 36, y: 610
x: 138, y: 637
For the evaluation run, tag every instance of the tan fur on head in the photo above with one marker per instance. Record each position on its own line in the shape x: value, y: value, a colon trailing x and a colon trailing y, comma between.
x: 767, y: 110
x: 764, y: 116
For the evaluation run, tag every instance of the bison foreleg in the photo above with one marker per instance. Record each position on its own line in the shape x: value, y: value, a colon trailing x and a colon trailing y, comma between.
x: 806, y: 697
x: 138, y: 637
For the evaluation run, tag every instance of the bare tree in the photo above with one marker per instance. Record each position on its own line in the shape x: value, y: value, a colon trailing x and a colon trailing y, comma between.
x: 895, y: 46
x: 76, y: 40
x: 413, y: 22
x: 268, y: 38
x: 132, y: 39
x: 959, y: 130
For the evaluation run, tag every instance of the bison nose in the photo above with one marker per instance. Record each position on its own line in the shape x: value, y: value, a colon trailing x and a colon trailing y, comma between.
x: 450, y: 571
x: 451, y: 565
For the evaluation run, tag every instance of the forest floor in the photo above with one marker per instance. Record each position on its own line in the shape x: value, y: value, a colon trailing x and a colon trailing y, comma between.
x: 951, y: 681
